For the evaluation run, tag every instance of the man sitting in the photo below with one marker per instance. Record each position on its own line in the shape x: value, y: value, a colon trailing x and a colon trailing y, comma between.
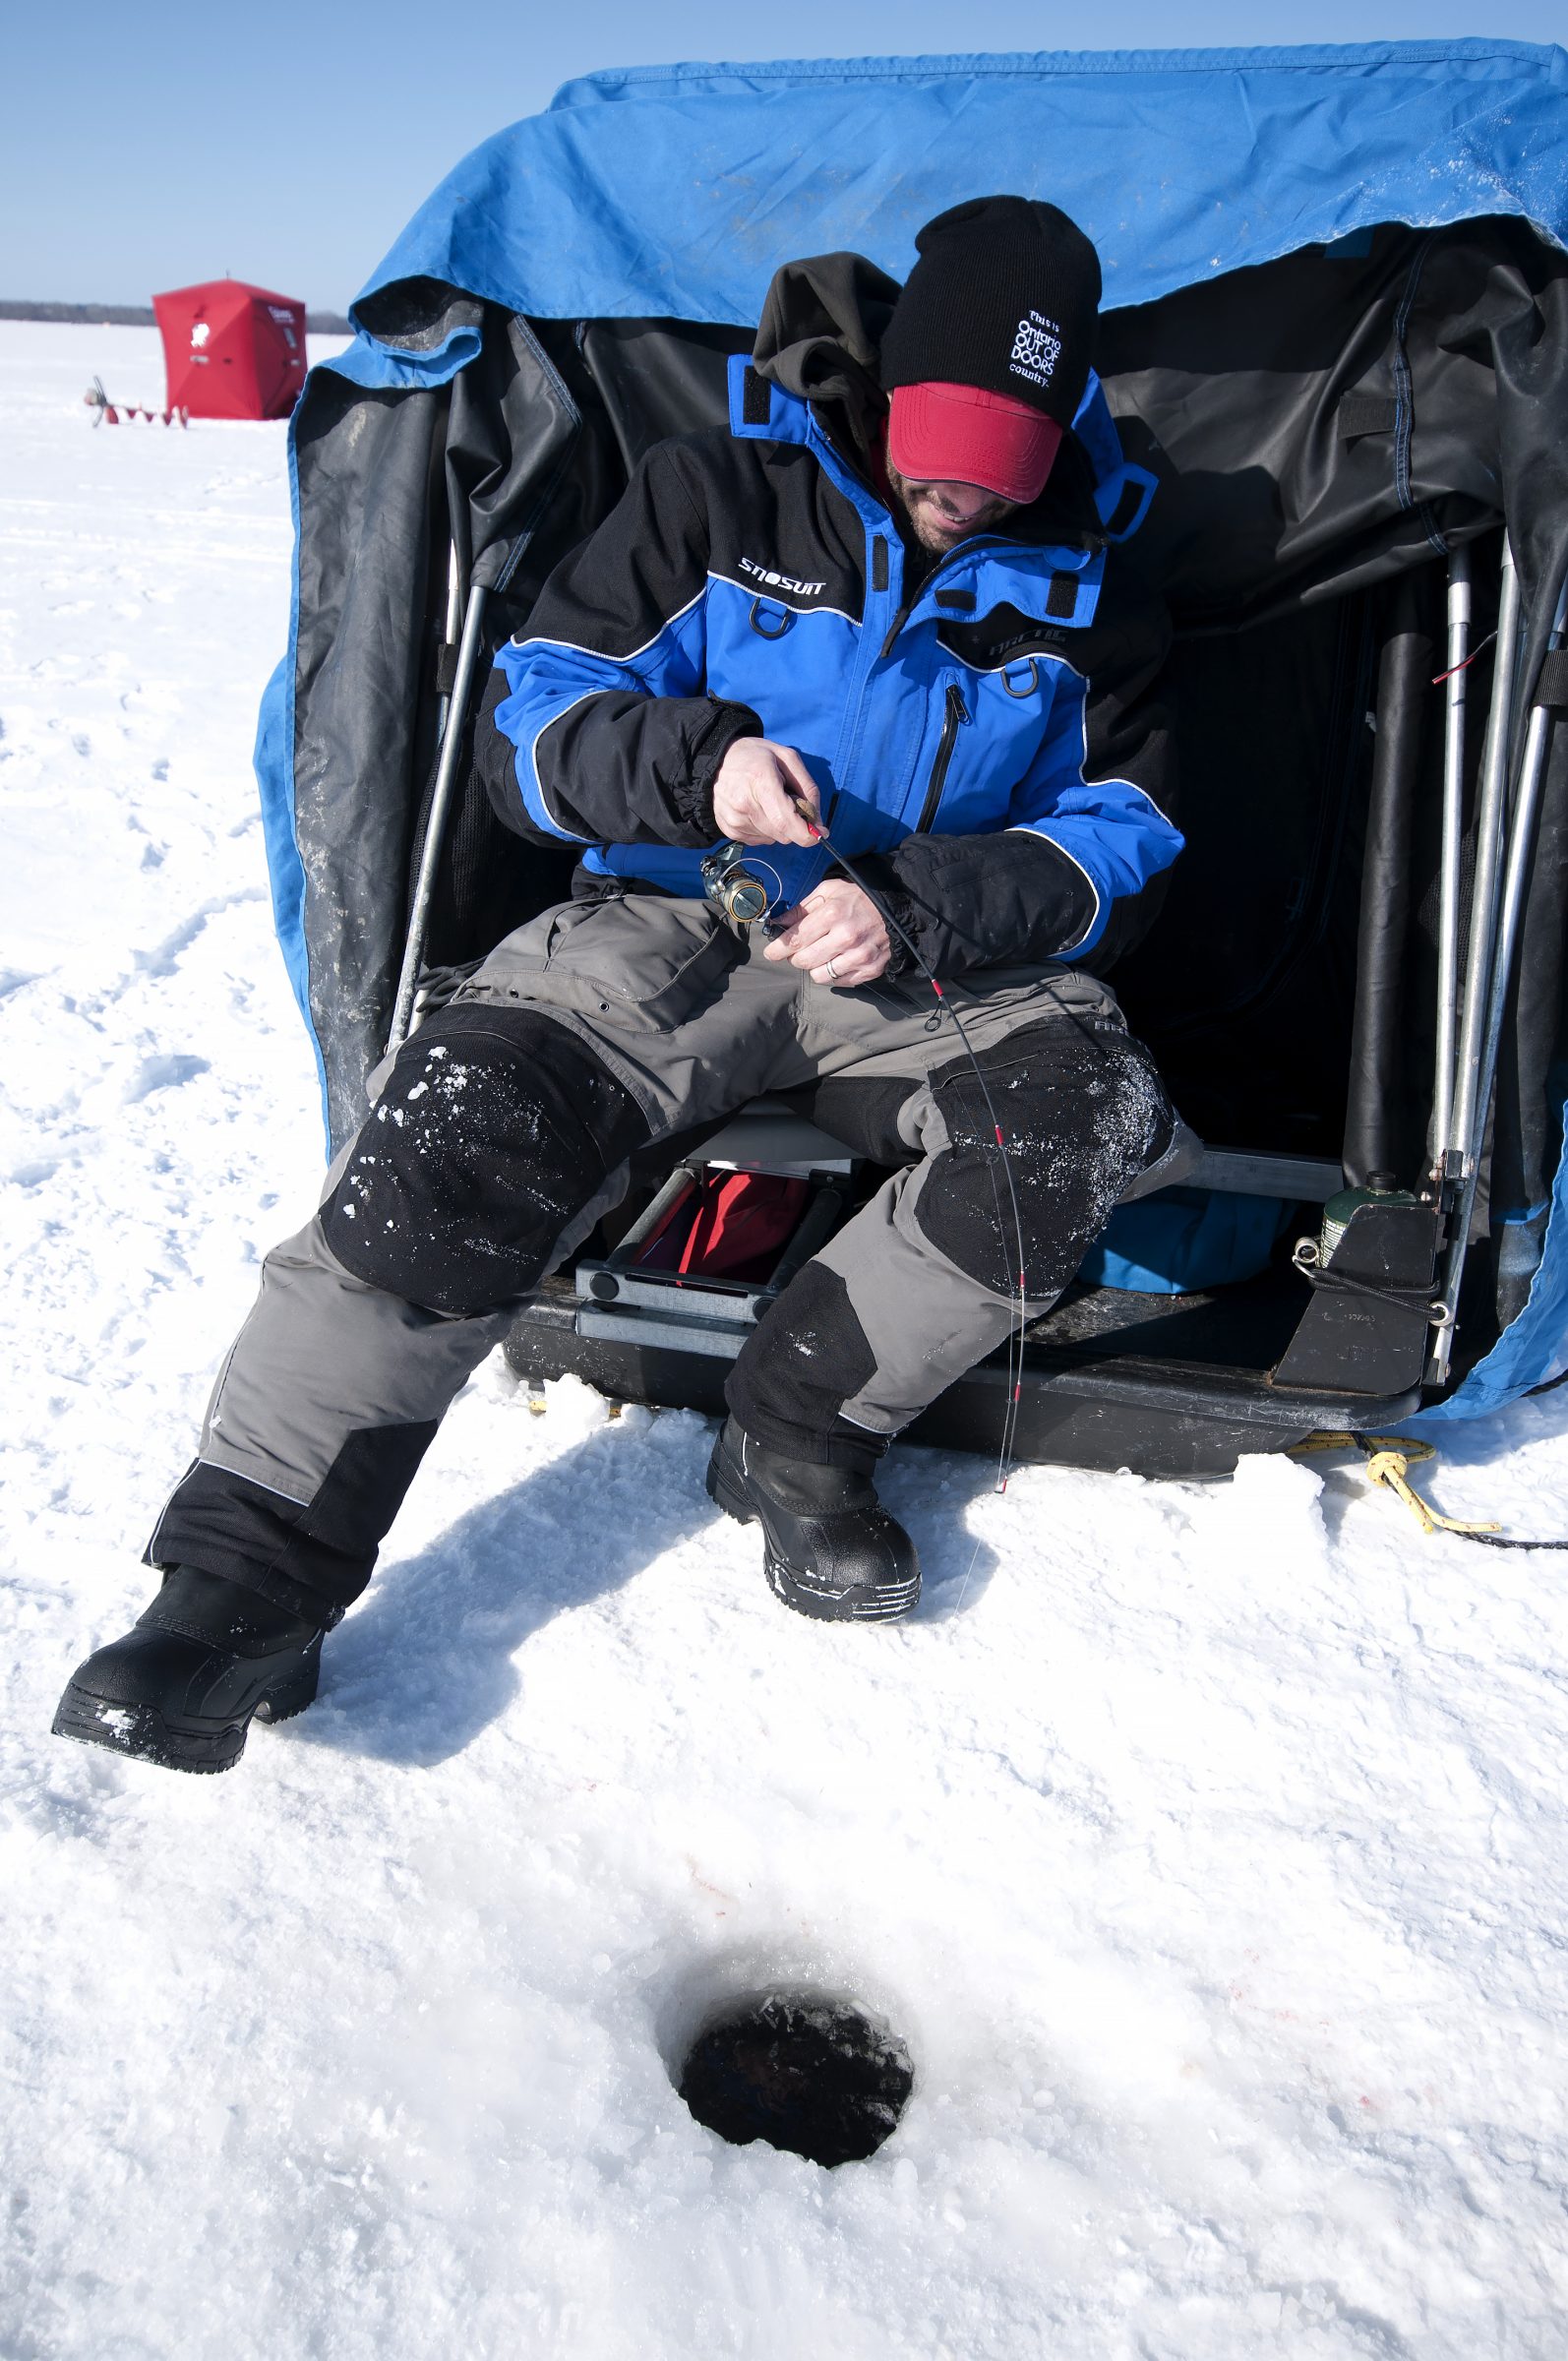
x: 885, y: 602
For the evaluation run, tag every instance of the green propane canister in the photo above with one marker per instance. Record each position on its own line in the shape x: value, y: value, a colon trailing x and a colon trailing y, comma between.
x: 1343, y: 1204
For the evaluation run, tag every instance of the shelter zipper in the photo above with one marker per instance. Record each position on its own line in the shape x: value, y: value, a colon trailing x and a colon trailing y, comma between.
x: 957, y: 713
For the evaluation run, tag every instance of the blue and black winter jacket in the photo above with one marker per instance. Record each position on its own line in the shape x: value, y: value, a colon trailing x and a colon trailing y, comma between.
x: 986, y: 722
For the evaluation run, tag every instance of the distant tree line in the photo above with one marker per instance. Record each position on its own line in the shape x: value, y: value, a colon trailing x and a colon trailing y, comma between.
x: 139, y: 315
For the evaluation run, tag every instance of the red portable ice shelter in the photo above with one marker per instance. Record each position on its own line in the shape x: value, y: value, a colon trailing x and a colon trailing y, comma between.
x: 231, y: 351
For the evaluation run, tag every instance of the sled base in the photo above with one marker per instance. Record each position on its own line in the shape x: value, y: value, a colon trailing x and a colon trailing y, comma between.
x: 1098, y: 1390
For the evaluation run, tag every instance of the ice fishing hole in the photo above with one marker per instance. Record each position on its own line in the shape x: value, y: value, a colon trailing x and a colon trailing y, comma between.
x: 812, y: 2075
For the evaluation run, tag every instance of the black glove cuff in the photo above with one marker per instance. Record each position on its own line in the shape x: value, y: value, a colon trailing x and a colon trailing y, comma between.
x: 692, y: 796
x: 902, y: 914
x: 1010, y: 899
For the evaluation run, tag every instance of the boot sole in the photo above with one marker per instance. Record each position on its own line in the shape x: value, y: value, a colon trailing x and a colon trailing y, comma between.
x: 154, y: 1738
x: 817, y: 1600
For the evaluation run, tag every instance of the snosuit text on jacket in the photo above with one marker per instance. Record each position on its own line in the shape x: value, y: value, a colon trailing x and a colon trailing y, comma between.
x: 752, y: 581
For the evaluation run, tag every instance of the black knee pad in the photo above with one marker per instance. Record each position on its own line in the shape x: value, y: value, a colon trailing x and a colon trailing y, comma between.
x: 1083, y: 1111
x: 496, y: 1127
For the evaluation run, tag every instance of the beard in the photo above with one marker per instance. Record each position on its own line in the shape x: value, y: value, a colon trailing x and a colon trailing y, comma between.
x: 931, y: 527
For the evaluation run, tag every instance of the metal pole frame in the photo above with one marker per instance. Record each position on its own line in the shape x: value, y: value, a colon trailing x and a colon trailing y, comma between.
x: 1490, y: 816
x: 1458, y: 617
x: 1516, y: 885
x: 436, y: 827
x: 453, y: 632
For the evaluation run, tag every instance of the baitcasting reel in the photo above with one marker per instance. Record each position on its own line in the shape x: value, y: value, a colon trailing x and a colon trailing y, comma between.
x: 732, y: 888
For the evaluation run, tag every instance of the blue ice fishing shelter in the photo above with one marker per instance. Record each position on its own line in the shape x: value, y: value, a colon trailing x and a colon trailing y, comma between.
x: 1336, y: 335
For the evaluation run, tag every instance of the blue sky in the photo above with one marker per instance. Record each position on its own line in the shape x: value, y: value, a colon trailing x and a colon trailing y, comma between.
x: 154, y: 141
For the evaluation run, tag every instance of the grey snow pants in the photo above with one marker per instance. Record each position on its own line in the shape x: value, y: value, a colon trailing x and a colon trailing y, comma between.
x: 504, y: 1131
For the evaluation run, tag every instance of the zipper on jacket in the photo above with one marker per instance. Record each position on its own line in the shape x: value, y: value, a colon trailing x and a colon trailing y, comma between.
x: 929, y: 580
x: 957, y: 713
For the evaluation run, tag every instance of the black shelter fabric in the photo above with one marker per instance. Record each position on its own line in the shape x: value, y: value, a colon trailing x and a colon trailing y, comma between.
x: 522, y: 483
x: 1376, y: 1148
x: 1333, y: 418
x: 654, y: 377
x: 1244, y: 985
x: 364, y: 463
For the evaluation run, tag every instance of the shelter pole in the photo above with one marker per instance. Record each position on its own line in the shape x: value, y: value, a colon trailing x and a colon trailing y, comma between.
x: 1459, y: 613
x: 453, y: 629
x: 436, y: 826
x: 1516, y: 885
x: 1489, y: 850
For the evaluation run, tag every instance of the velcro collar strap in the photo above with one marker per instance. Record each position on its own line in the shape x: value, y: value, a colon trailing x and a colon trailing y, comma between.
x: 1122, y: 492
x: 759, y: 410
x: 1122, y: 500
x: 1062, y: 584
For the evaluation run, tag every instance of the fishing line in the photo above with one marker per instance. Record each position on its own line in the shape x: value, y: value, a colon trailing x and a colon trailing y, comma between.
x: 1018, y: 1321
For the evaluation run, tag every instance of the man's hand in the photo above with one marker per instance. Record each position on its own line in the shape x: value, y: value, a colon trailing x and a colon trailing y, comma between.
x: 837, y: 928
x: 763, y: 793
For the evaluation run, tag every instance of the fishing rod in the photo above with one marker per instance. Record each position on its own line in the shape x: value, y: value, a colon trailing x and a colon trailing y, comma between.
x: 743, y: 897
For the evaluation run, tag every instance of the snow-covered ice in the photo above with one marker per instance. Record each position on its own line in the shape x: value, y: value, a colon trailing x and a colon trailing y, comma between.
x: 1207, y: 1849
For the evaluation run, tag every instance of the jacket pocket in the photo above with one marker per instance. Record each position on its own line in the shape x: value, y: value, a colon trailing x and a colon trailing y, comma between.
x: 637, y: 965
x: 955, y: 712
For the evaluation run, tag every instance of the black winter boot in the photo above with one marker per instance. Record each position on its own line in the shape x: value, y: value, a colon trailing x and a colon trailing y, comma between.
x: 832, y: 1548
x: 180, y: 1688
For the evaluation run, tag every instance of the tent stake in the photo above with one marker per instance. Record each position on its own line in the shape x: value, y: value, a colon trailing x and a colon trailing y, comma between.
x: 436, y: 826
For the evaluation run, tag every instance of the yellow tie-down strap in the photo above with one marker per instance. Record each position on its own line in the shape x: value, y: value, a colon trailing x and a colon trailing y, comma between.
x: 1389, y: 1458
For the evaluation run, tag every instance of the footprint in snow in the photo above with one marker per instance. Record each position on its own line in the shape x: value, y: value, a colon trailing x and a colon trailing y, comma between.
x: 163, y: 960
x: 162, y: 1074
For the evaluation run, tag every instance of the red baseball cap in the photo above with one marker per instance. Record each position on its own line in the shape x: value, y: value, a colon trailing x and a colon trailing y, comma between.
x: 960, y: 434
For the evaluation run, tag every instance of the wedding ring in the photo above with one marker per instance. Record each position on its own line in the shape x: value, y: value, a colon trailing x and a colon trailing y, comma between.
x: 831, y: 972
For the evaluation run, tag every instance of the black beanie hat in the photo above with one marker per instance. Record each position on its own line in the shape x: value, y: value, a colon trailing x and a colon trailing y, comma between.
x: 1003, y: 296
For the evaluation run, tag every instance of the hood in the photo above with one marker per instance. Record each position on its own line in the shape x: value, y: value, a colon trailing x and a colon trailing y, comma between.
x: 821, y: 326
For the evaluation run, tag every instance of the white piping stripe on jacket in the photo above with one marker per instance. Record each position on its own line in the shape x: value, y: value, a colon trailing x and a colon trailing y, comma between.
x: 1041, y: 827
x: 1083, y: 723
x: 575, y: 647
x: 567, y: 836
x: 771, y: 598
